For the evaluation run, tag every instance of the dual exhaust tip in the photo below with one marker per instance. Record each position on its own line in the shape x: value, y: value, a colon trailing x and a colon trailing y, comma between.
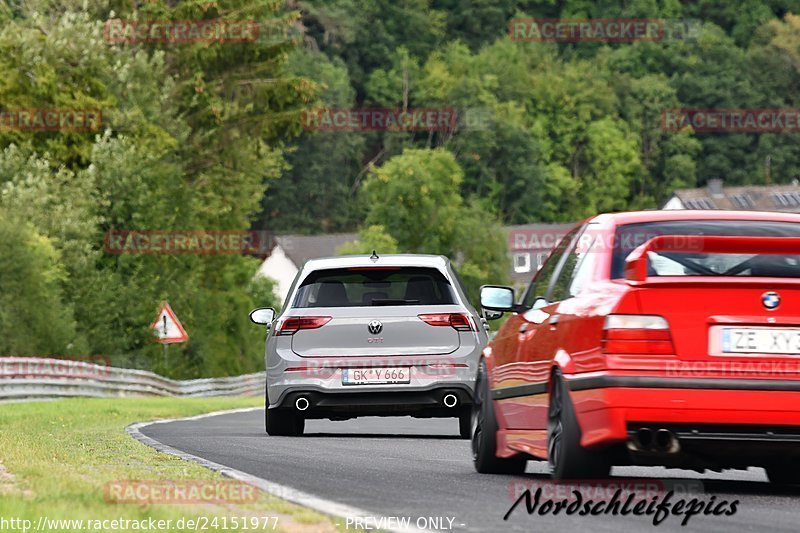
x: 302, y: 403
x: 660, y: 440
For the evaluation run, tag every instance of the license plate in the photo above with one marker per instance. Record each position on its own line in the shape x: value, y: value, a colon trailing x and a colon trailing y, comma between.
x: 373, y: 376
x: 783, y: 341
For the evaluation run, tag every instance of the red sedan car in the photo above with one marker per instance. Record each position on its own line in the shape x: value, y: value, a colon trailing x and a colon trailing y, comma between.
x: 665, y: 338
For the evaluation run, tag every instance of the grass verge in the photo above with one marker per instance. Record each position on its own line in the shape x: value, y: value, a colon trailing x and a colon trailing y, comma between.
x: 57, y: 457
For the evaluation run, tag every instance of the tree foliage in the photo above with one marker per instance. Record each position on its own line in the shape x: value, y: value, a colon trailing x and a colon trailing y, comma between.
x: 416, y: 207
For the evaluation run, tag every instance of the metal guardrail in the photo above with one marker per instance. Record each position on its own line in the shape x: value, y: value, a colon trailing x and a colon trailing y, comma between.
x: 37, y: 377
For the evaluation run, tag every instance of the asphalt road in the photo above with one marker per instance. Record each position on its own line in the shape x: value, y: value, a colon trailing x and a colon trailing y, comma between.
x: 416, y: 468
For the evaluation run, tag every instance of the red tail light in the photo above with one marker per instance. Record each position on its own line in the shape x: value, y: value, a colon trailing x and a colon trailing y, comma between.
x: 457, y: 321
x: 291, y: 325
x: 637, y: 334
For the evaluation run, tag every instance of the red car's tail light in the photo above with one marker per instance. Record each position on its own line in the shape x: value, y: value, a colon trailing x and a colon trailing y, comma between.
x: 291, y: 325
x: 457, y: 321
x: 637, y: 334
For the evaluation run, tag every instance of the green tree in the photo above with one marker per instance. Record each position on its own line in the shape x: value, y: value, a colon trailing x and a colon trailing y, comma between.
x: 317, y: 191
x: 35, y: 319
x: 366, y: 33
x: 421, y: 208
x: 370, y: 239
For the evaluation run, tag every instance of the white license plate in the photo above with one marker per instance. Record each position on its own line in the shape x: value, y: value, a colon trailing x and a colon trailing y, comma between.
x: 784, y: 341
x: 373, y: 376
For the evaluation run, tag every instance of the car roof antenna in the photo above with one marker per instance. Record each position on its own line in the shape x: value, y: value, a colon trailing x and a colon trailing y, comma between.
x: 374, y: 256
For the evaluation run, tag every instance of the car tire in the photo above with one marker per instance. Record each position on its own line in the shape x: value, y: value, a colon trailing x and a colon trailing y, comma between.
x: 465, y: 423
x: 566, y: 458
x: 484, y: 433
x: 783, y: 474
x: 284, y: 423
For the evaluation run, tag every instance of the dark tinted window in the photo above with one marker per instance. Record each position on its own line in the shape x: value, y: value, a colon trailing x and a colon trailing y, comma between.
x: 541, y: 281
x: 688, y: 263
x: 563, y: 286
x: 353, y: 287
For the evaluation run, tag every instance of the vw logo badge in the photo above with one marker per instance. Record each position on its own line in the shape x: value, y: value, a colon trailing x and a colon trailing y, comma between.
x: 771, y: 300
x: 375, y: 327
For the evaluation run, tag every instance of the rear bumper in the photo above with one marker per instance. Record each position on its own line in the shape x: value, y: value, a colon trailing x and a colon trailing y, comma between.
x: 718, y: 409
x: 326, y: 403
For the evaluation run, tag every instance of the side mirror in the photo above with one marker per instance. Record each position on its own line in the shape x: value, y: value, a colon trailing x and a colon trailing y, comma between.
x: 263, y: 316
x: 497, y: 298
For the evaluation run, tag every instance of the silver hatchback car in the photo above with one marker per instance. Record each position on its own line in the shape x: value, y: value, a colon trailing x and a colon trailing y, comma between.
x: 371, y: 336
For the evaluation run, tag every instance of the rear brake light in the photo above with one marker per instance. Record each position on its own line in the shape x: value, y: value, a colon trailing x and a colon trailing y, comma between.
x: 457, y: 321
x: 637, y: 334
x: 358, y: 269
x: 291, y: 325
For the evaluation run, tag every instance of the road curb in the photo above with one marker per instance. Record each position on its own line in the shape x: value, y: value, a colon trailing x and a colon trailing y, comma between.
x: 328, y: 507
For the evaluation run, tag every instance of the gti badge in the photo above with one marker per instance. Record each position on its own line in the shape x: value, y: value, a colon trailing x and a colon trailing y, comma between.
x: 771, y: 300
x: 375, y: 327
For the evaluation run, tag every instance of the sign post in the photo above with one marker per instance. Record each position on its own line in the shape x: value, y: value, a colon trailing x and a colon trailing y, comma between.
x: 168, y: 329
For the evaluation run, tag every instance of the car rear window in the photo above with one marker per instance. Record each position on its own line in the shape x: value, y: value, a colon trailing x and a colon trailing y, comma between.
x: 355, y: 287
x: 687, y: 263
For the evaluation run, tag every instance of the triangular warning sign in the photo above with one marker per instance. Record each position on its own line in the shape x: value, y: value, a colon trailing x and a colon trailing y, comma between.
x: 167, y: 327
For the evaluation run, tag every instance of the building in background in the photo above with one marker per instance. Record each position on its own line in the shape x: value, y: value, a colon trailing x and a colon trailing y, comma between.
x: 290, y: 252
x: 529, y: 245
x: 715, y: 195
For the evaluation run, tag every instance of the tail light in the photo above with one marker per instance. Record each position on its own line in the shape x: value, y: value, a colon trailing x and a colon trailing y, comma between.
x: 457, y: 321
x: 291, y: 325
x: 637, y: 334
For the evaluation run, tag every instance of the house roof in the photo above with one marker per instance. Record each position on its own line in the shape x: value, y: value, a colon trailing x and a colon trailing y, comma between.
x: 301, y: 248
x: 784, y: 198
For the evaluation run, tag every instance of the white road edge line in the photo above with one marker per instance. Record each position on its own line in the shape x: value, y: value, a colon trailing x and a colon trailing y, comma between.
x: 290, y: 494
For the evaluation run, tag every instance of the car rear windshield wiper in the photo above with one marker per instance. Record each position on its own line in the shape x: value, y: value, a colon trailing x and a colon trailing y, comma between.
x: 393, y: 301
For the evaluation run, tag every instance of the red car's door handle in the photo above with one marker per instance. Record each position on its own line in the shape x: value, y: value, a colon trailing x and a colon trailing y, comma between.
x: 554, y: 321
x: 523, y: 327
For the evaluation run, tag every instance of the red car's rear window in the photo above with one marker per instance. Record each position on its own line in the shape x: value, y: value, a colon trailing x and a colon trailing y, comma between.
x: 687, y: 263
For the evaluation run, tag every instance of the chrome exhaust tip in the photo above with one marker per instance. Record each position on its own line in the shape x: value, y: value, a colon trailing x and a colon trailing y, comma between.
x: 302, y: 403
x: 643, y: 438
x: 666, y: 442
x: 450, y: 400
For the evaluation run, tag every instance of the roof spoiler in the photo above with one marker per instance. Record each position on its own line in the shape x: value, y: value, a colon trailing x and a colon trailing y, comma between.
x: 636, y: 262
